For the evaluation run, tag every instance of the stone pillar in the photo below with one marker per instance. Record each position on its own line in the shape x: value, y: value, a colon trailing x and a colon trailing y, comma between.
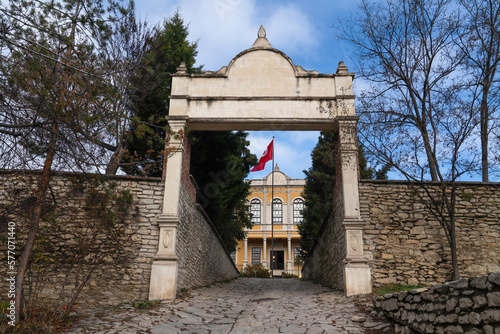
x: 245, y: 252
x: 163, y: 284
x: 357, y: 273
x: 289, y: 265
x: 264, y: 244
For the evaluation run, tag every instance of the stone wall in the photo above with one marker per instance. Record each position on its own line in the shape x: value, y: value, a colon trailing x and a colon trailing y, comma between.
x: 125, y: 272
x: 203, y: 258
x: 65, y: 230
x: 404, y: 242
x: 326, y: 265
x: 407, y: 245
x: 467, y: 306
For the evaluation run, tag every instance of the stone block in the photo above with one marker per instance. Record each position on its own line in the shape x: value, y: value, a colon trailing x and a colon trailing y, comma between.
x: 479, y: 282
x: 493, y: 299
x: 460, y: 284
x: 454, y: 330
x: 451, y: 304
x: 491, y: 316
x: 389, y: 305
x: 465, y: 304
x: 488, y: 329
x: 475, y: 318
x: 494, y: 278
x: 479, y: 301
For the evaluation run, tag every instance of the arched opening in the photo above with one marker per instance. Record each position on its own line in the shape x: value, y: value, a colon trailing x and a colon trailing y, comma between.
x: 262, y: 90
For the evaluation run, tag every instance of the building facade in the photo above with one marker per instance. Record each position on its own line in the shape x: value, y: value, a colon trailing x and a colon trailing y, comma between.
x: 274, y: 234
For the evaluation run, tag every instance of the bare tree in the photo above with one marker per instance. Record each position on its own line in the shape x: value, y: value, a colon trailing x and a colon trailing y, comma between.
x: 480, y: 43
x: 406, y: 50
x: 414, y: 116
x: 56, y: 93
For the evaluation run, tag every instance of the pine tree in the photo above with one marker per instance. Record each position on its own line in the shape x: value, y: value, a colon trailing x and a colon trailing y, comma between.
x: 220, y: 173
x: 145, y: 142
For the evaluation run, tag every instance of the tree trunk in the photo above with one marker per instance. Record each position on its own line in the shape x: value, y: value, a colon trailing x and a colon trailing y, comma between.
x: 430, y: 155
x: 484, y: 134
x: 37, y: 213
x: 453, y: 246
x: 114, y: 162
x: 453, y: 234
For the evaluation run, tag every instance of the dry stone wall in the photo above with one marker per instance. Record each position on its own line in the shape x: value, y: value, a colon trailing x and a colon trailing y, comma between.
x: 203, y: 259
x: 467, y: 306
x: 66, y: 231
x: 407, y: 245
x: 125, y: 272
x: 325, y: 265
x: 404, y: 242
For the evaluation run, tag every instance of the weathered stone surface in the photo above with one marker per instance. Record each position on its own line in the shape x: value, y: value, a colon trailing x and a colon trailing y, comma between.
x: 413, y: 247
x: 389, y: 305
x: 479, y: 282
x: 479, y: 301
x: 454, y: 330
x: 296, y: 307
x: 465, y: 304
x: 125, y: 274
x: 451, y: 304
x: 495, y: 278
x: 453, y: 307
x: 493, y: 299
x: 491, y: 316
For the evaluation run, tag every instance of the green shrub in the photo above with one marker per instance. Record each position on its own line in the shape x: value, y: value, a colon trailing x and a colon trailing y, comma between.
x: 256, y: 270
x: 288, y: 275
x: 144, y: 304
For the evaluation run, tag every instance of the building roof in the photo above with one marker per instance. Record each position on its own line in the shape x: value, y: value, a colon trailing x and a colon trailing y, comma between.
x: 280, y: 179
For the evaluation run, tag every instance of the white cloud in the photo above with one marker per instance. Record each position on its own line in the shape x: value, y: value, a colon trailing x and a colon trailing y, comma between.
x: 224, y: 28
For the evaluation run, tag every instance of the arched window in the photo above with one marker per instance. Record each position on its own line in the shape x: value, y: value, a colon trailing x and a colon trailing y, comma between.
x: 298, y: 207
x: 255, y: 211
x: 277, y: 211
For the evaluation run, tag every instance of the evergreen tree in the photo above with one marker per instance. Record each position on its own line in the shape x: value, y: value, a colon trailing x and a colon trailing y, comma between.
x: 220, y: 161
x: 220, y: 173
x: 145, y: 142
x: 320, y: 179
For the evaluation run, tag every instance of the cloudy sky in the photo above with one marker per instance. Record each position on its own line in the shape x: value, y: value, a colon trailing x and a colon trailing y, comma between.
x: 301, y: 29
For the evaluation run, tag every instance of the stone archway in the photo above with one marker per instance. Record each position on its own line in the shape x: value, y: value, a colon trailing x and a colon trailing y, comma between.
x: 261, y: 89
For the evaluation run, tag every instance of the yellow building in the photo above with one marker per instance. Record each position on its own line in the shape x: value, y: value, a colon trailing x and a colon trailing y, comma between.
x: 282, y: 236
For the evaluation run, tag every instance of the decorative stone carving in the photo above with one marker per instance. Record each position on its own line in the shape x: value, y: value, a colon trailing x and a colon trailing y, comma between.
x: 354, y: 243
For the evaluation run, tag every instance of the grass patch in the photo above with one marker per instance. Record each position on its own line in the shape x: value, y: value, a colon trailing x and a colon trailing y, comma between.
x: 143, y: 304
x: 395, y: 288
x: 288, y: 275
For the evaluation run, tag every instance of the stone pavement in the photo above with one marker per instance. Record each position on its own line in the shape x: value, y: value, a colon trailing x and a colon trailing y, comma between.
x: 245, y: 305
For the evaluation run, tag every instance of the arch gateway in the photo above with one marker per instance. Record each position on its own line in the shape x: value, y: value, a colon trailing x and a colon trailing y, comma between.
x: 261, y: 89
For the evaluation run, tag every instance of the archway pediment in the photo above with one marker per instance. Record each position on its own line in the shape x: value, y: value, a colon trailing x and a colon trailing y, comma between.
x: 261, y: 89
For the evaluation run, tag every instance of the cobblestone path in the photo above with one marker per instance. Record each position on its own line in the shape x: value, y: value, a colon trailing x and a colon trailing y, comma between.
x: 245, y: 305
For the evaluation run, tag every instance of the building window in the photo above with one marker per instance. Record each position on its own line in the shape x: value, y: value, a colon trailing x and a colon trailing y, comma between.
x: 255, y: 255
x: 277, y: 211
x: 255, y: 211
x: 298, y: 207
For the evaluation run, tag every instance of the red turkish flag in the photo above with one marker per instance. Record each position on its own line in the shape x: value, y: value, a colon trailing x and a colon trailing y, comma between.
x: 266, y: 156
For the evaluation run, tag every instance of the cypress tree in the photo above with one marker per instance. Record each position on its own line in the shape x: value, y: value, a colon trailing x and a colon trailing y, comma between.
x: 320, y: 179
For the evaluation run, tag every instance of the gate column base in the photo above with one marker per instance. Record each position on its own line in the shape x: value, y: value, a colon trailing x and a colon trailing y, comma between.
x: 357, y: 279
x: 163, y: 284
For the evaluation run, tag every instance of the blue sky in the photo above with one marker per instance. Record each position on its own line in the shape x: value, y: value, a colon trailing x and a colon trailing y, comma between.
x: 301, y: 29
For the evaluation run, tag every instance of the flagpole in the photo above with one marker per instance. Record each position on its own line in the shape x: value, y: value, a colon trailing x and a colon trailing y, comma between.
x: 272, y: 215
